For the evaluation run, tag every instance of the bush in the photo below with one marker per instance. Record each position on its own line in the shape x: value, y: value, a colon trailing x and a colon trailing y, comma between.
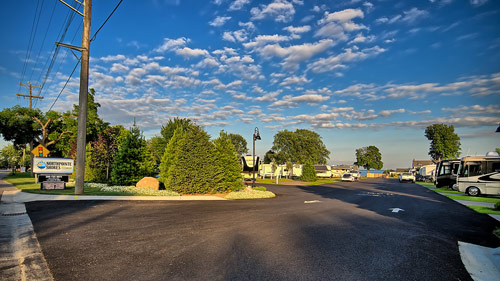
x: 497, y: 206
x: 309, y: 173
x: 261, y: 188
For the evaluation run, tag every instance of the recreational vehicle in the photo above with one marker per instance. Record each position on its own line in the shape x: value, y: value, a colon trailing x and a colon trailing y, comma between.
x: 479, y: 175
x: 446, y: 173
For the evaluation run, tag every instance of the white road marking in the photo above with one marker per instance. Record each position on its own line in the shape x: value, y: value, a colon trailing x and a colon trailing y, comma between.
x: 313, y: 201
x: 396, y: 210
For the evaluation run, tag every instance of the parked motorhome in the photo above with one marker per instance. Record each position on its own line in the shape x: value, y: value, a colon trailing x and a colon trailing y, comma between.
x: 446, y: 172
x: 426, y: 173
x: 479, y: 175
x: 323, y: 171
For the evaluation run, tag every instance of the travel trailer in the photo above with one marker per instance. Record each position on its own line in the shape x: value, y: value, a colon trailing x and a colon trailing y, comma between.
x: 446, y: 173
x: 426, y: 173
x: 247, y: 166
x: 479, y: 175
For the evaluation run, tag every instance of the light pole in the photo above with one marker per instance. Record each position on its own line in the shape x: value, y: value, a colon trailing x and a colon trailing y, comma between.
x: 256, y: 136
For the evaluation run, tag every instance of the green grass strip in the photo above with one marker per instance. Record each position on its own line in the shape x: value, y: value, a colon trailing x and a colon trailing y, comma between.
x: 475, y: 199
x: 290, y: 181
x: 484, y: 210
x: 426, y: 184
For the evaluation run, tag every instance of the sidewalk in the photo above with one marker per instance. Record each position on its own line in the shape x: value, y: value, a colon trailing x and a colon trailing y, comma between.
x: 21, y: 257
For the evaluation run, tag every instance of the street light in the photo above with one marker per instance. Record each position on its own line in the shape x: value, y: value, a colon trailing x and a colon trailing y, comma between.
x: 256, y: 136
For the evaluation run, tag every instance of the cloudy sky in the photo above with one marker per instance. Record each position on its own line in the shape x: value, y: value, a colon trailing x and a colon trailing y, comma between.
x: 357, y: 72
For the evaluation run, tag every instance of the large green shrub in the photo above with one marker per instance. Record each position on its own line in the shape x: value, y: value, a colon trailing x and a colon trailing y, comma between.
x: 497, y: 206
x: 308, y: 173
x: 133, y: 161
x: 189, y: 164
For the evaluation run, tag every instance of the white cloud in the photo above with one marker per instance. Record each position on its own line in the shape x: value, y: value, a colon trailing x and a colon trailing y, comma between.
x: 219, y: 21
x: 477, y: 3
x: 238, y: 5
x: 263, y: 40
x: 279, y: 10
x: 333, y: 63
x: 294, y: 80
x: 117, y: 67
x: 335, y: 25
x: 171, y: 44
x: 269, y: 97
x: 298, y: 29
x: 295, y: 54
x: 413, y: 15
x: 292, y: 101
x: 187, y: 52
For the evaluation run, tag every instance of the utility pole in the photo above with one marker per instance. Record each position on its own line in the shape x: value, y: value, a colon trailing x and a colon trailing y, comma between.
x: 83, y: 101
x: 30, y: 96
x: 83, y: 95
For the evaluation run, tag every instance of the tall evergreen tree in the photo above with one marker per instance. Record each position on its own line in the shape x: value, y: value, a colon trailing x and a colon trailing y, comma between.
x: 133, y: 161
x: 190, y: 163
x: 228, y: 165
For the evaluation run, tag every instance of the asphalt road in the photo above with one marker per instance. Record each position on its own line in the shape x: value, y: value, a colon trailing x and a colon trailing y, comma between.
x: 342, y: 231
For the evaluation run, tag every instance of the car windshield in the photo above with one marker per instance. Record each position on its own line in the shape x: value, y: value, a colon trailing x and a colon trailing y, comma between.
x: 347, y: 175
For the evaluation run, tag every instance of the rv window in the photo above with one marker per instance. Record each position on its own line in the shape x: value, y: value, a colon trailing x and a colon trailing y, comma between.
x: 455, y: 168
x: 473, y: 169
x: 493, y: 167
x: 445, y: 170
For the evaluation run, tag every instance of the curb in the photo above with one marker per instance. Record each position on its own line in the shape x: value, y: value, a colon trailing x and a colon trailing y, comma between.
x: 482, y: 263
x: 21, y: 256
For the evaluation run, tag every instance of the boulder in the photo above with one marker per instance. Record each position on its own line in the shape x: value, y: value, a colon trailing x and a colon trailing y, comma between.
x: 149, y: 182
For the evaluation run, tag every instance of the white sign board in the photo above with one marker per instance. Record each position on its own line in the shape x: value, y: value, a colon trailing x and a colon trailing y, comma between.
x: 53, y: 165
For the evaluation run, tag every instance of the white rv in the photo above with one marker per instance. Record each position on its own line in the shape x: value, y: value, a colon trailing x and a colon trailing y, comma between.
x: 479, y: 175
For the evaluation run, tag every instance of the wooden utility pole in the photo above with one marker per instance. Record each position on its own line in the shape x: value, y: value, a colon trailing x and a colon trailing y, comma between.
x: 83, y: 95
x: 83, y: 101
x: 30, y: 96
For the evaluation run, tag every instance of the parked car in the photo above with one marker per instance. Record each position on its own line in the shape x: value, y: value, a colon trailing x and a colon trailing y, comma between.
x: 348, y: 177
x: 356, y: 175
x: 407, y: 177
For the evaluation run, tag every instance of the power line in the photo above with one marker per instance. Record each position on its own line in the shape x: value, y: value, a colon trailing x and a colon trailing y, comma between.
x: 93, y: 38
x: 64, y: 86
x: 95, y: 34
x: 30, y: 44
x: 43, y: 41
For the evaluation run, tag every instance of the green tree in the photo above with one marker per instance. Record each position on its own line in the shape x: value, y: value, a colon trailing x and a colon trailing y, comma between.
x: 172, y: 125
x: 95, y: 126
x: 308, y: 172
x: 101, y: 153
x: 157, y: 146
x: 369, y: 157
x: 10, y: 156
x: 239, y: 143
x: 227, y: 163
x: 133, y: 161
x: 269, y: 157
x: 445, y: 143
x: 301, y: 146
x: 189, y: 164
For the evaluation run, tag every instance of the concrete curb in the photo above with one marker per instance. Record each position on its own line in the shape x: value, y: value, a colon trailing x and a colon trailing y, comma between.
x: 18, y: 196
x: 482, y: 263
x: 21, y: 257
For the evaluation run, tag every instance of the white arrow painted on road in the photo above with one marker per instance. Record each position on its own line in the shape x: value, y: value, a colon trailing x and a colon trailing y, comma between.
x: 314, y: 201
x: 396, y: 210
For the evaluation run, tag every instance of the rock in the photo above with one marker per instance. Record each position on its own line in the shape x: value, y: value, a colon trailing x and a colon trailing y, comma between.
x: 149, y: 182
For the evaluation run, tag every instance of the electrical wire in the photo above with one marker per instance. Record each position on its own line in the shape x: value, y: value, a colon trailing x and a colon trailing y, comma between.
x: 95, y: 34
x: 64, y: 86
x: 92, y: 39
x: 43, y: 41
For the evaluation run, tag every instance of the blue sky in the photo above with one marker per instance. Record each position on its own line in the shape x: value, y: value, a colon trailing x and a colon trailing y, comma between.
x: 359, y: 73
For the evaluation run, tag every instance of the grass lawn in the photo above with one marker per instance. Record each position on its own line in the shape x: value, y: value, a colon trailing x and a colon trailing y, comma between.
x: 25, y: 183
x: 484, y: 210
x: 426, y: 184
x: 290, y: 181
x: 476, y: 199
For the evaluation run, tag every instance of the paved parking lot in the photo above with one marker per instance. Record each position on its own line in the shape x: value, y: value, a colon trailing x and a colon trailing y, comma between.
x: 372, y: 230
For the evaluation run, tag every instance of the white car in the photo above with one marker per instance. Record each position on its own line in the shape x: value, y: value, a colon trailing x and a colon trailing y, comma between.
x: 407, y: 177
x: 356, y: 175
x: 348, y: 177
